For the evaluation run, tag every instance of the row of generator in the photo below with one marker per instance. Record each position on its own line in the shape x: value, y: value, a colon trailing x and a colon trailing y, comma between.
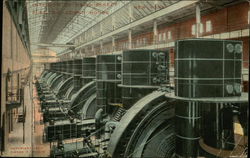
x: 123, y: 105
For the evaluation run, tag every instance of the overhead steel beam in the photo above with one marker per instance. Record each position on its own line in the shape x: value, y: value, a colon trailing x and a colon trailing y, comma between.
x: 53, y: 45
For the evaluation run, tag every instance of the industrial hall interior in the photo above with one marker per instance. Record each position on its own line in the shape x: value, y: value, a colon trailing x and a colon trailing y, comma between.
x: 125, y: 79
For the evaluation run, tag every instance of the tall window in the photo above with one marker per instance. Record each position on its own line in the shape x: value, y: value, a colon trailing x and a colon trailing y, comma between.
x: 164, y: 36
x: 160, y: 37
x: 193, y: 29
x: 144, y: 40
x: 18, y: 87
x: 169, y: 35
x: 208, y: 26
x: 248, y: 17
x: 201, y: 28
x: 8, y: 86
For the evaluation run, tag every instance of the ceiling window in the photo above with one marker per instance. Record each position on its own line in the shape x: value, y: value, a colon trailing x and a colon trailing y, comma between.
x: 78, y: 40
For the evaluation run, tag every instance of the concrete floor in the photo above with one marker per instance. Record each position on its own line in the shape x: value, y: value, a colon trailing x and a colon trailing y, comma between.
x: 32, y: 145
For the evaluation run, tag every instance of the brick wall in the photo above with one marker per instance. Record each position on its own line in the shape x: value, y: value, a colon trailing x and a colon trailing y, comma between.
x: 225, y: 20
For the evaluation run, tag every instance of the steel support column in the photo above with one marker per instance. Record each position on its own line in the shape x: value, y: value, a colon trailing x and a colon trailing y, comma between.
x: 155, y: 32
x: 113, y: 43
x: 129, y: 39
x: 101, y: 46
x: 198, y: 20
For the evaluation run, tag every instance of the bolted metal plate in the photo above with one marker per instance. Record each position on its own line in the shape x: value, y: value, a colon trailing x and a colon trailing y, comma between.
x: 213, y: 65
